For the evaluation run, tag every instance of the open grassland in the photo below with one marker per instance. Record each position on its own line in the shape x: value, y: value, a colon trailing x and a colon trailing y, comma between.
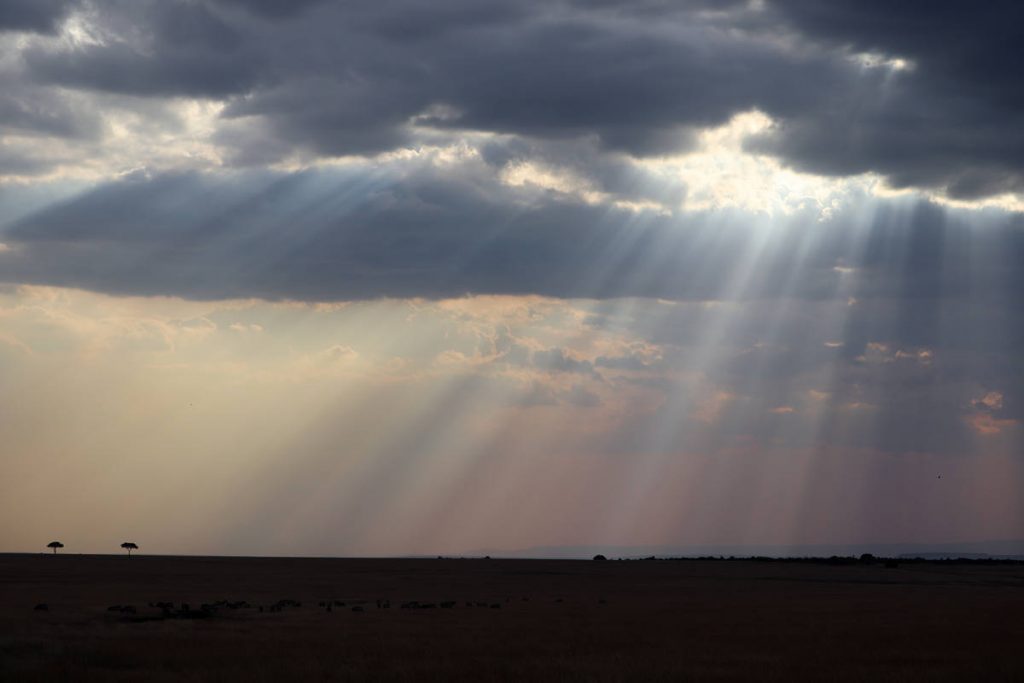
x: 267, y: 619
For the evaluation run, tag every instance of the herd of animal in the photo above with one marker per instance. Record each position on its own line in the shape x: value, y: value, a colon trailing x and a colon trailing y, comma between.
x: 206, y: 610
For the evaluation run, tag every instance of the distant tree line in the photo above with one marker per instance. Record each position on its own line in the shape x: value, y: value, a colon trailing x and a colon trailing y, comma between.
x: 865, y: 559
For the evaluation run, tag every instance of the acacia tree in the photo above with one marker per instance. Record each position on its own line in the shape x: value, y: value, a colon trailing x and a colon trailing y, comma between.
x: 54, y: 545
x: 129, y: 546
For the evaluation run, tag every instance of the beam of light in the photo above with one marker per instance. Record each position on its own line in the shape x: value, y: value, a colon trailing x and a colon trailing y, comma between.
x: 907, y: 353
x: 668, y: 434
x: 413, y: 425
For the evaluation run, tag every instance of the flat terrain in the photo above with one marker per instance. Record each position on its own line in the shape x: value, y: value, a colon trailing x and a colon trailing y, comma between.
x: 512, y: 620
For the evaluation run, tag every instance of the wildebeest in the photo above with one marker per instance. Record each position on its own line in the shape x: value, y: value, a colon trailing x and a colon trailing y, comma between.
x: 281, y: 604
x: 123, y: 609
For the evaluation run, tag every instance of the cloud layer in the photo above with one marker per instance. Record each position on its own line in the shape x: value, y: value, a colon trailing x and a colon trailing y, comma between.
x: 364, y: 232
x: 924, y: 95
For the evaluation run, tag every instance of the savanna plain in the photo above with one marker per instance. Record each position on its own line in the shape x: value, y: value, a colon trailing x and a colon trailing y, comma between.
x: 118, y: 618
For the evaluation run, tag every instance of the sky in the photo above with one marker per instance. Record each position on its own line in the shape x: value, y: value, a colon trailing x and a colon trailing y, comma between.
x: 396, y: 278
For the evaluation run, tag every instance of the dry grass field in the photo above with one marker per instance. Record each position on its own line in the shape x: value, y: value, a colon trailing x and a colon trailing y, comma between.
x: 512, y: 620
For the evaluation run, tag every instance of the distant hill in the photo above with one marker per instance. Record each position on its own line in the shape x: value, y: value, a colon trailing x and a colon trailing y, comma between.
x: 1004, y: 549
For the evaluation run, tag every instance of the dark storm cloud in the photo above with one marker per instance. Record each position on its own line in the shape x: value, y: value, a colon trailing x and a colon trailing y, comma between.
x: 42, y: 16
x: 276, y: 9
x: 550, y: 75
x: 156, y: 49
x: 332, y: 78
x: 951, y: 121
x: 347, y: 78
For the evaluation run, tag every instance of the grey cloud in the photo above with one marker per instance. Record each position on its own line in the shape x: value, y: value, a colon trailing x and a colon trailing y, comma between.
x: 950, y: 122
x: 540, y: 395
x: 42, y: 112
x: 39, y: 16
x: 18, y: 163
x: 352, y: 234
x: 581, y: 397
x: 340, y: 236
x: 361, y: 71
x: 274, y: 9
x: 613, y: 174
x: 557, y: 360
x: 331, y: 78
x: 630, y: 362
x: 155, y: 49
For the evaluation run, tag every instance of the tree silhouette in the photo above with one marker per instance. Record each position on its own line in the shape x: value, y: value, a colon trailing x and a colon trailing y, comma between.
x: 129, y: 546
x: 54, y: 545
